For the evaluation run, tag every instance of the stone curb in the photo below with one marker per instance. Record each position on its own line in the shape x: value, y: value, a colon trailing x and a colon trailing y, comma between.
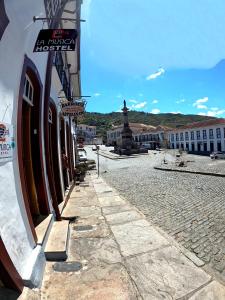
x: 188, y: 171
x: 114, y: 157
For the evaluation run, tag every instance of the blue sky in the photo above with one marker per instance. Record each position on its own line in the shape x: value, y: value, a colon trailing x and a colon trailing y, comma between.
x: 161, y: 56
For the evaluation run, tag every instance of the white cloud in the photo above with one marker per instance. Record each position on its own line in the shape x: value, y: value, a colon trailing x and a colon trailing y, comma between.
x: 213, y: 113
x: 155, y: 111
x: 97, y: 94
x: 141, y: 95
x: 119, y: 96
x: 201, y: 106
x: 139, y: 105
x: 180, y: 101
x: 176, y: 112
x: 155, y: 101
x: 156, y: 74
x: 199, y: 101
x: 133, y: 101
x: 220, y: 112
x: 214, y: 108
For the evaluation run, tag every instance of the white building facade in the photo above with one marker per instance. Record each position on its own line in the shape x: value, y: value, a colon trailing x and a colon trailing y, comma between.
x: 142, y: 134
x: 33, y: 179
x: 87, y: 132
x: 200, y: 137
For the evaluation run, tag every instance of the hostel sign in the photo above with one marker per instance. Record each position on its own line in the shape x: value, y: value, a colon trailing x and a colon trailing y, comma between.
x: 56, y: 40
x: 6, y: 142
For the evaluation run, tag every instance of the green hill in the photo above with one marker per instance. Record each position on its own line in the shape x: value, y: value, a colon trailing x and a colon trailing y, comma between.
x: 104, y: 122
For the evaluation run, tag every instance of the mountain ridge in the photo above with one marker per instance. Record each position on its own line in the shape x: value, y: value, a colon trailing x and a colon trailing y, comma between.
x: 105, y: 121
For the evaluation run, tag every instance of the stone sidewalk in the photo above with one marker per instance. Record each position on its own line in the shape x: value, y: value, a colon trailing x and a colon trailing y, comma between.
x: 114, y: 253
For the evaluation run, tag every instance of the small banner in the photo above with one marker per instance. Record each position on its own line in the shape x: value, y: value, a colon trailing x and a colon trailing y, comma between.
x: 56, y: 40
x: 7, y: 143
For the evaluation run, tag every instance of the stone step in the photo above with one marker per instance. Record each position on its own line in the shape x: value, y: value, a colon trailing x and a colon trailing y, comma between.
x: 43, y: 229
x: 56, y: 247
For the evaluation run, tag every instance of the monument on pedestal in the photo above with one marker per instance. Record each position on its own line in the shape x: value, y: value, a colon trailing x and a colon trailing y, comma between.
x: 126, y: 132
x: 127, y: 146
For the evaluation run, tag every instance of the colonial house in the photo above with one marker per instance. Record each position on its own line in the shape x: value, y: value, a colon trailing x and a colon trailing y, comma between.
x: 114, y: 135
x: 200, y: 137
x: 86, y: 133
x: 155, y: 137
x: 142, y: 134
x: 35, y: 136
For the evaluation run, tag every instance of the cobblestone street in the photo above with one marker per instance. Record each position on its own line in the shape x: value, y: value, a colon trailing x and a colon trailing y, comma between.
x: 189, y: 207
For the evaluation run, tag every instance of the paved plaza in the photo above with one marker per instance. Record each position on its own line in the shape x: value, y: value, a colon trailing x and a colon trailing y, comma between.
x: 189, y: 207
x: 115, y: 253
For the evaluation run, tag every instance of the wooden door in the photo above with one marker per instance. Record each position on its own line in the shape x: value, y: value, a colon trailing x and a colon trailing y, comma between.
x: 27, y: 162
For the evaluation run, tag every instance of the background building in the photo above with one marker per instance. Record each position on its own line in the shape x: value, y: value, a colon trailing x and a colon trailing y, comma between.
x: 88, y: 133
x: 142, y: 134
x: 200, y: 137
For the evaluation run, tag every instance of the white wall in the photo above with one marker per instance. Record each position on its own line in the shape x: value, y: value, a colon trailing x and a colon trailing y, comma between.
x: 18, y: 40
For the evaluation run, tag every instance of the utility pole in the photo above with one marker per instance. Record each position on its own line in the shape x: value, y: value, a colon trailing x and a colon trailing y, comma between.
x: 98, y: 158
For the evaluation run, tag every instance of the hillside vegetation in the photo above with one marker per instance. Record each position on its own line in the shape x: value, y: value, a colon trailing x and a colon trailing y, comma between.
x: 104, y: 122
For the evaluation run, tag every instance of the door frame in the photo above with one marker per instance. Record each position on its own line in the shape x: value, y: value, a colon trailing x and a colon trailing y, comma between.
x: 30, y: 69
x: 8, y: 270
x: 47, y: 92
x: 53, y: 165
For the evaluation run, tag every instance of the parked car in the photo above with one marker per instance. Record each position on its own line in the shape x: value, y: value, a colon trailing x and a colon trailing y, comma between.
x: 158, y: 149
x: 82, y: 154
x: 94, y: 148
x: 218, y: 154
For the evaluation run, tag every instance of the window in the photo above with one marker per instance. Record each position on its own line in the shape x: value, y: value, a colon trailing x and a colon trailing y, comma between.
x: 28, y: 92
x: 211, y: 133
x: 172, y: 137
x: 177, y: 137
x: 181, y: 136
x: 186, y: 136
x: 4, y: 21
x: 218, y: 133
x: 198, y: 134
x: 204, y: 134
x: 192, y: 135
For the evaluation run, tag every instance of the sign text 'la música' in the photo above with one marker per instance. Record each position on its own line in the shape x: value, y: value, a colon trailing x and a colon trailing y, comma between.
x: 56, y: 40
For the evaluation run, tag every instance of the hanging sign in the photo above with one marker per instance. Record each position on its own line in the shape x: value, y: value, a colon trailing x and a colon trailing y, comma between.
x: 7, y: 143
x: 72, y: 108
x: 56, y: 40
